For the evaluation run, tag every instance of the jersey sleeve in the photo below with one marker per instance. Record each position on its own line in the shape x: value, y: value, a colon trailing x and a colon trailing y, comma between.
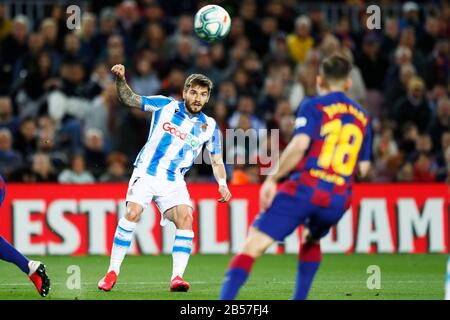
x: 214, y: 144
x: 366, y: 147
x: 154, y: 103
x: 306, y: 119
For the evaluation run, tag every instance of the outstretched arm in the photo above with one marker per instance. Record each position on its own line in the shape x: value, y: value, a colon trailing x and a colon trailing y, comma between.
x: 221, y: 176
x: 125, y: 94
x: 290, y: 157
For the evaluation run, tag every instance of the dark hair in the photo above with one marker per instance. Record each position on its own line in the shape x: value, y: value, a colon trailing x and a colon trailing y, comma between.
x: 197, y: 79
x: 336, y: 67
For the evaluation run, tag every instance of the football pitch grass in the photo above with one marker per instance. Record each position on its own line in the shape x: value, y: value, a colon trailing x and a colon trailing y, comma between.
x: 273, y: 278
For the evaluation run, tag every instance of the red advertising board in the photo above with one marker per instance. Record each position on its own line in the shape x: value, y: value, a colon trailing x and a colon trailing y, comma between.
x: 59, y: 219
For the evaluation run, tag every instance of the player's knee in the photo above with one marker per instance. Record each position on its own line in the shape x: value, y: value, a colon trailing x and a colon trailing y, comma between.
x: 185, y: 220
x: 133, y: 215
x: 253, y: 249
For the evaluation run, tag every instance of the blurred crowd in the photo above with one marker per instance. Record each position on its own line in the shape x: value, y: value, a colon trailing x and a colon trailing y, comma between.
x: 60, y: 119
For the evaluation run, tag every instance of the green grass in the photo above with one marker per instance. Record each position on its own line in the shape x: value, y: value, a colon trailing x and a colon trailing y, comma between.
x: 147, y: 277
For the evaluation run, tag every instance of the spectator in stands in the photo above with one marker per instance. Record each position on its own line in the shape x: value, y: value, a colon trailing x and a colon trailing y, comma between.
x: 86, y: 34
x: 25, y: 140
x: 16, y: 44
x: 414, y: 107
x: 269, y: 27
x: 227, y: 93
x: 300, y: 42
x: 10, y: 159
x: 387, y: 159
x: 406, y: 173
x: 33, y: 90
x: 154, y: 38
x: 104, y: 115
x: 129, y: 23
x: 424, y: 170
x: 402, y: 56
x: 27, y: 63
x: 183, y: 55
x: 172, y: 85
x: 430, y: 35
x: 41, y: 169
x: 408, y: 39
x: 410, y: 16
x: 437, y: 64
x: 398, y: 89
x: 7, y: 118
x: 220, y: 114
x: 408, y: 139
x: 390, y: 37
x: 185, y: 27
x: 108, y: 26
x: 145, y: 82
x: 204, y: 65
x: 5, y: 23
x: 441, y: 122
x: 77, y: 172
x: 373, y: 66
x: 94, y: 153
x: 246, y: 106
x: 443, y: 158
x: 48, y: 143
x: 273, y: 92
x: 117, y: 171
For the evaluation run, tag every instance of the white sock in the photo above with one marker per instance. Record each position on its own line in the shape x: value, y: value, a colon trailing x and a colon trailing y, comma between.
x: 122, y: 241
x: 181, y: 251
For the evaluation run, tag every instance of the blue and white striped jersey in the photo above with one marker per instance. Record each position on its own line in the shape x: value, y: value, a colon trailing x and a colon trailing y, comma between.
x: 175, y: 138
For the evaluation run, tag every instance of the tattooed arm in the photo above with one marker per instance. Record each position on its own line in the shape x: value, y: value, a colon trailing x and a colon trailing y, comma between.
x: 125, y: 94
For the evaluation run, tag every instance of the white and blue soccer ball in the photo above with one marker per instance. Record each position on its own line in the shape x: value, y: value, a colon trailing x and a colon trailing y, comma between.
x: 212, y: 23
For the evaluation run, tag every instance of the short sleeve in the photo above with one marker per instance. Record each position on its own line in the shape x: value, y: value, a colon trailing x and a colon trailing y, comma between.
x: 306, y: 119
x: 366, y: 147
x: 153, y: 103
x: 214, y: 144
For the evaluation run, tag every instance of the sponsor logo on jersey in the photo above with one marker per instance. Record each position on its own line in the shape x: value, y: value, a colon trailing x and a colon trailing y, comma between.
x: 175, y: 131
x: 300, y: 122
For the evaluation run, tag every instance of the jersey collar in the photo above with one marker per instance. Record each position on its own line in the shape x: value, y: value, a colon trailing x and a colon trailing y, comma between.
x: 201, y: 116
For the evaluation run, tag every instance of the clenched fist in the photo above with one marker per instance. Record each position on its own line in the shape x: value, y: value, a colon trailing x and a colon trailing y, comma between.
x: 119, y: 71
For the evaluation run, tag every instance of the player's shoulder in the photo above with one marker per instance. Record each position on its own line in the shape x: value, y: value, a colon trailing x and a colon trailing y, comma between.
x: 159, y: 100
x: 210, y: 122
x: 308, y: 105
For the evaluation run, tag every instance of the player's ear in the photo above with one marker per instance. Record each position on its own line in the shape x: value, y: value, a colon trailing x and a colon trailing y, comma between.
x: 319, y: 81
x: 348, y: 83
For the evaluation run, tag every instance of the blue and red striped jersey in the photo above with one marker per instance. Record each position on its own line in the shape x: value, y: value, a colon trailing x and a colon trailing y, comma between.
x: 340, y: 133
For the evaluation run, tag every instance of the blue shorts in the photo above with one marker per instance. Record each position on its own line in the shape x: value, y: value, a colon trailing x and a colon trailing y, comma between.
x: 287, y: 212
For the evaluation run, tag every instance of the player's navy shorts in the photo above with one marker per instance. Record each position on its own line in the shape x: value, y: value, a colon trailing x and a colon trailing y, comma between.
x: 289, y: 211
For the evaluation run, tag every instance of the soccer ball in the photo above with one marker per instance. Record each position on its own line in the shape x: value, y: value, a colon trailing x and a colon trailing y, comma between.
x: 212, y: 23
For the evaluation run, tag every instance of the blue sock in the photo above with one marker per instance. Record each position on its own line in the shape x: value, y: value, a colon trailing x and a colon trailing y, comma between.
x: 308, y: 265
x: 237, y: 273
x: 10, y: 254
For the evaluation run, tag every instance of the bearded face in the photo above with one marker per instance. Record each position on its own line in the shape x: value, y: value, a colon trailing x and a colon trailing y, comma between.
x: 195, y: 98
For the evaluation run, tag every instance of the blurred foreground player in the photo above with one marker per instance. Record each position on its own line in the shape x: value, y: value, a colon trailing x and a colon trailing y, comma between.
x: 34, y: 269
x: 178, y: 131
x: 332, y: 141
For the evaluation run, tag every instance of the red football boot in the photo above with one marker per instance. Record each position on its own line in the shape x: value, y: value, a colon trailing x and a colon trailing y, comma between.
x: 179, y: 285
x: 108, y: 281
x: 39, y: 277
